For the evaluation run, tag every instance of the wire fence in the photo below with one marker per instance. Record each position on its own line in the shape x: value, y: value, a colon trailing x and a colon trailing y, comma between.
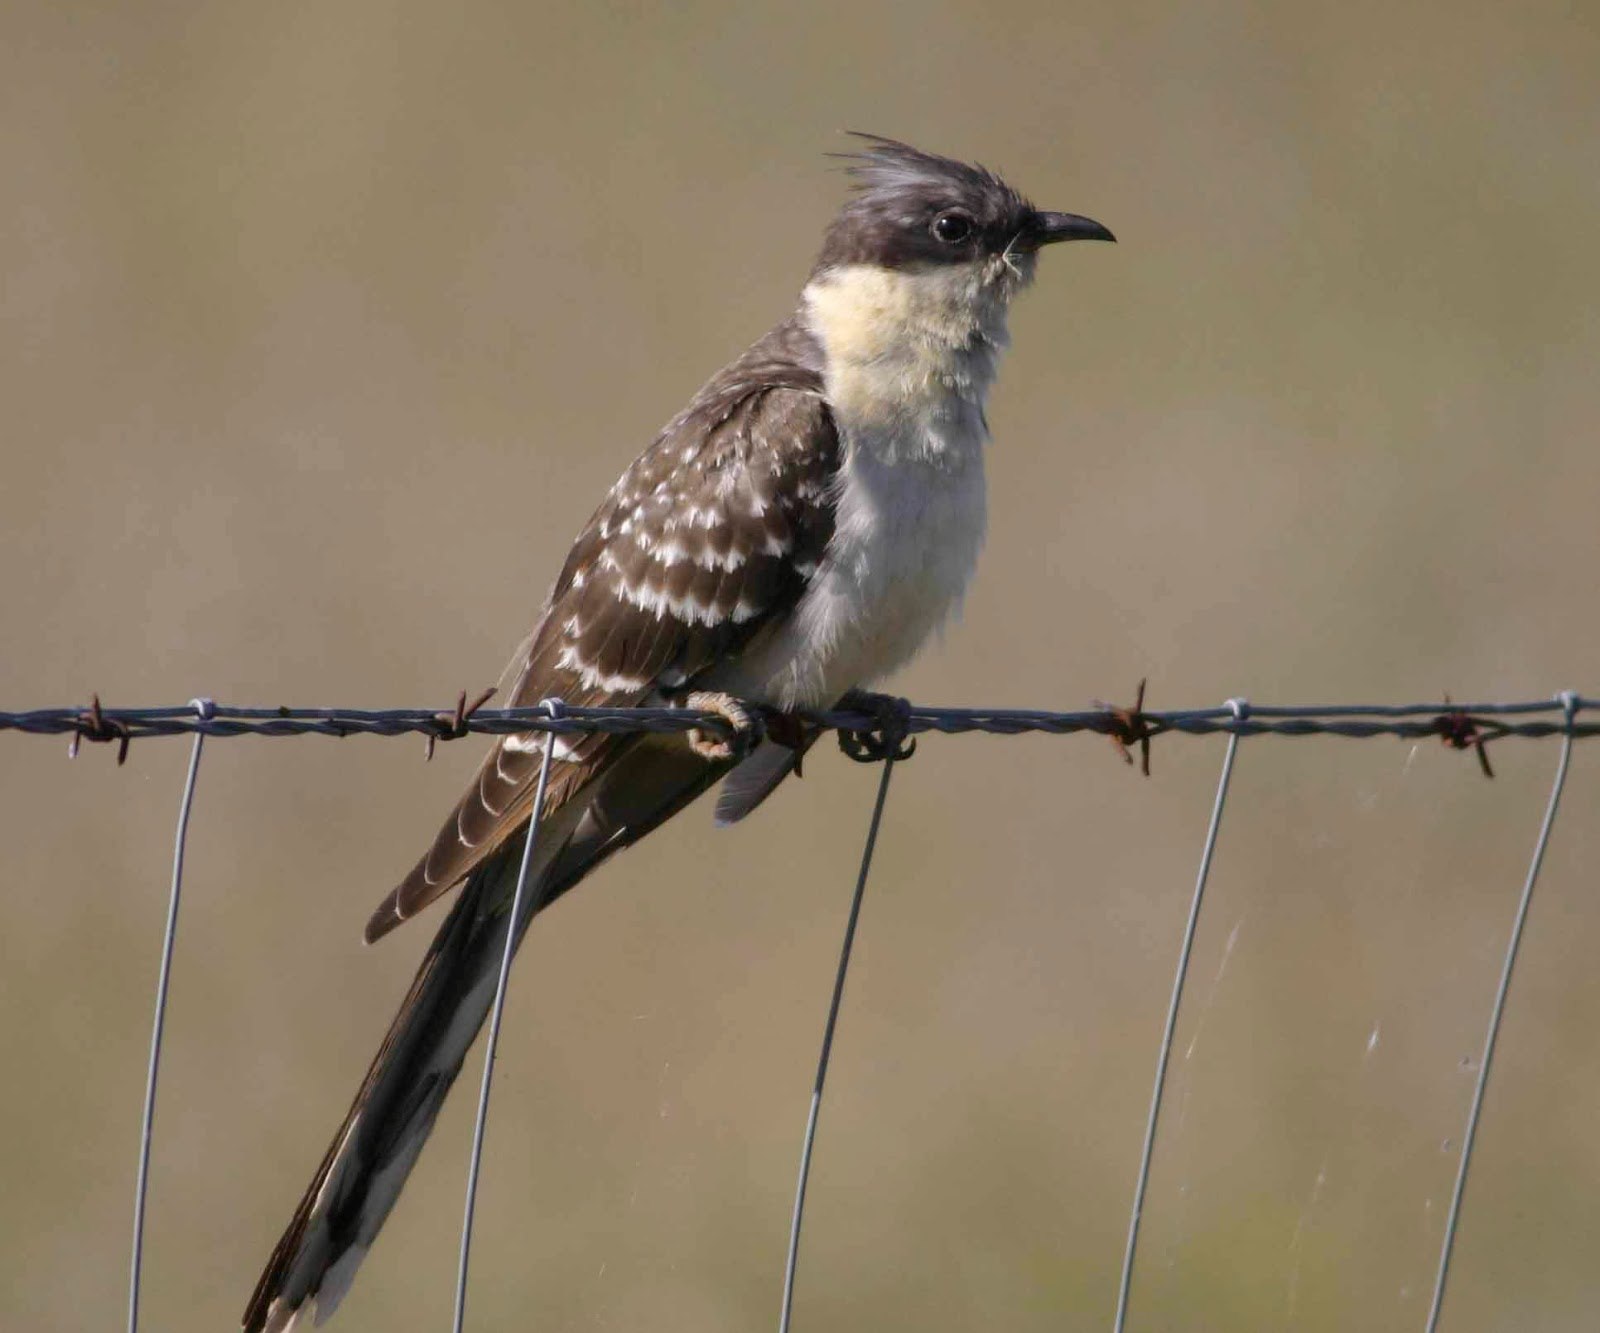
x: 885, y: 734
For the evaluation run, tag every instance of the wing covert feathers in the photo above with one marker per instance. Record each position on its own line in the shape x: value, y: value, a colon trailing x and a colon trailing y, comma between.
x: 709, y: 537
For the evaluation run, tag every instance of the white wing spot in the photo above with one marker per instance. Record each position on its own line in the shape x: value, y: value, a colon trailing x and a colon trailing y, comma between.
x: 532, y: 742
x: 671, y: 553
x: 594, y: 679
x: 490, y: 806
x: 690, y: 610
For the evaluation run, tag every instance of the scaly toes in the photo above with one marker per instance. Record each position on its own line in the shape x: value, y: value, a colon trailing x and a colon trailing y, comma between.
x: 712, y: 747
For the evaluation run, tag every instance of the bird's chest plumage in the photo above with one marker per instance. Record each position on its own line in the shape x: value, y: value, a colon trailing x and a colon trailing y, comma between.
x: 908, y: 367
x: 909, y: 523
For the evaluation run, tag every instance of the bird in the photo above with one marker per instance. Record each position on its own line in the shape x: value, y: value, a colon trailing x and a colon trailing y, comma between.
x: 794, y: 535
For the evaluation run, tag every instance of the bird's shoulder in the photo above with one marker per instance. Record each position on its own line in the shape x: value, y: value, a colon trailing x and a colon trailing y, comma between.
x: 714, y: 529
x: 756, y: 446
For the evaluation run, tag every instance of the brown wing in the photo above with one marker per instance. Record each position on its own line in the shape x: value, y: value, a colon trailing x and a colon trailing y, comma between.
x: 707, y: 539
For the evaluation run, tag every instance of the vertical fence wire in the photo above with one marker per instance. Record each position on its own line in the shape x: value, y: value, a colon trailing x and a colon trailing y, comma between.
x: 1569, y: 702
x: 141, y: 1188
x: 808, y: 1141
x: 1185, y: 952
x: 513, y: 923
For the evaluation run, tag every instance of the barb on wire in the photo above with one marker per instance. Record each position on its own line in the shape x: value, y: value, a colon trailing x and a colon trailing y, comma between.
x: 453, y: 726
x: 1128, y: 727
x: 809, y: 1139
x: 1240, y: 710
x: 1570, y: 704
x: 93, y: 724
x: 141, y: 1188
x: 1461, y: 731
x: 553, y: 708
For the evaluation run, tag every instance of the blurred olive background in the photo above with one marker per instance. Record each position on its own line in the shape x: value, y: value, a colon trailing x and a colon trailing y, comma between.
x: 325, y: 326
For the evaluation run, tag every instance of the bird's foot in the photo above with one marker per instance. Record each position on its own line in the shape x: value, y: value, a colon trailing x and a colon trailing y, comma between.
x: 793, y: 731
x: 888, y: 737
x: 745, y: 724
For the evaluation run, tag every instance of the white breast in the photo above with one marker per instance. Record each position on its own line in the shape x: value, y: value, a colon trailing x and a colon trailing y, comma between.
x: 910, y: 360
x: 907, y: 540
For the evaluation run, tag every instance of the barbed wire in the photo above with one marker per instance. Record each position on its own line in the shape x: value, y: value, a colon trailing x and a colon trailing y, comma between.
x: 1462, y: 726
x: 876, y: 731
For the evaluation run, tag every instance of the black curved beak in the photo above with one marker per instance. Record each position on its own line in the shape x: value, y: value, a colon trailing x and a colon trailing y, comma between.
x: 1048, y: 228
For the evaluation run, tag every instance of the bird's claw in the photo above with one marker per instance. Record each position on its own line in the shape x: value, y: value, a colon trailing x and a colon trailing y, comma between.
x: 746, y: 726
x: 793, y: 731
x: 887, y: 738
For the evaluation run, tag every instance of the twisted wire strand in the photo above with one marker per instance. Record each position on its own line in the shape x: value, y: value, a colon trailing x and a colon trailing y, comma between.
x: 1529, y: 719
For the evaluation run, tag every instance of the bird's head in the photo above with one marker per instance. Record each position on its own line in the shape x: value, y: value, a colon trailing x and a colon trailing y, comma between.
x: 912, y: 210
x: 932, y: 243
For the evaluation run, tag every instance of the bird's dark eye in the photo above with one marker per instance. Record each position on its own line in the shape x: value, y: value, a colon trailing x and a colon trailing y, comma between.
x: 953, y: 227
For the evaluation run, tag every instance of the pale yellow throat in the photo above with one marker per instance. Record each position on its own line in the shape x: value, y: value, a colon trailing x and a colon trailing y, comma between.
x: 899, y: 340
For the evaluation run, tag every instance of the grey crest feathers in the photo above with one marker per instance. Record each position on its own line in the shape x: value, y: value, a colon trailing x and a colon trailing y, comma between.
x: 900, y: 191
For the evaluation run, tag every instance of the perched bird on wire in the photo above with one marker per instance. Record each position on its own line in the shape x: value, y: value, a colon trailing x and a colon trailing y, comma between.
x: 795, y: 533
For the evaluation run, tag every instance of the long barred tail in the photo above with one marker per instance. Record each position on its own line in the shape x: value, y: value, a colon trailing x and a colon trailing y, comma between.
x: 360, y: 1178
x: 367, y: 1164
